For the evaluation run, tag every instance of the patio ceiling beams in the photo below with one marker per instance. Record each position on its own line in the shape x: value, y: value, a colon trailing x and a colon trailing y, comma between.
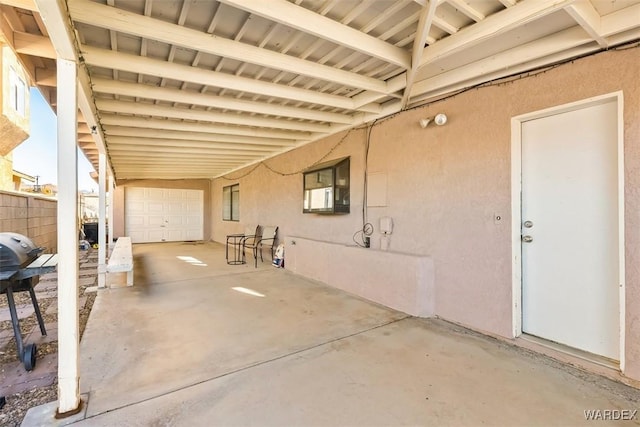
x: 320, y: 26
x: 177, y: 35
x: 547, y: 50
x: 121, y: 141
x: 33, y: 45
x: 491, y: 27
x: 200, y: 127
x: 139, y: 64
x: 206, y: 116
x: 589, y: 19
x: 283, y: 73
x: 424, y: 26
x: 176, y: 136
x: 203, y: 99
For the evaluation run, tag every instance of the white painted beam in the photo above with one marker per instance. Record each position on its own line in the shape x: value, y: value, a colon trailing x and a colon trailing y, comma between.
x: 179, y: 156
x: 175, y: 135
x: 117, y: 141
x: 209, y: 116
x: 320, y: 26
x: 153, y: 29
x: 68, y: 270
x: 492, y: 26
x: 124, y: 162
x: 211, y: 128
x: 589, y: 19
x: 503, y: 61
x: 467, y: 9
x: 422, y: 32
x: 102, y: 225
x: 214, y: 101
x: 110, y: 202
x: 442, y: 24
x: 548, y: 50
x: 122, y: 148
x: 55, y: 16
x: 623, y: 20
x: 154, y: 67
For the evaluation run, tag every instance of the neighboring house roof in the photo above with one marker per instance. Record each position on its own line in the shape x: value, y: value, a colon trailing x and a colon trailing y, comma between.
x: 186, y: 89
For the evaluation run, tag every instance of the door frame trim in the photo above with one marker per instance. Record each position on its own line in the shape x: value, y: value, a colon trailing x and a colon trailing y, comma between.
x: 516, y: 203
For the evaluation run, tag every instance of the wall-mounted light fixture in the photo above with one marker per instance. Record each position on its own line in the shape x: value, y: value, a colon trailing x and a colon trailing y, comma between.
x: 439, y: 120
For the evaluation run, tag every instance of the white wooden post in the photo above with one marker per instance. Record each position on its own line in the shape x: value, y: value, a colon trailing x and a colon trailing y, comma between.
x: 102, y: 213
x: 68, y: 317
x: 111, y: 191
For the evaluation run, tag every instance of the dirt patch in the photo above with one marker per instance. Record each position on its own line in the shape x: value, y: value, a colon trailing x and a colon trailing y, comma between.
x: 18, y: 403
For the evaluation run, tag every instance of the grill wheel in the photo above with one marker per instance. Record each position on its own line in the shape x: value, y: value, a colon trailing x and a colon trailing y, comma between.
x: 29, y: 357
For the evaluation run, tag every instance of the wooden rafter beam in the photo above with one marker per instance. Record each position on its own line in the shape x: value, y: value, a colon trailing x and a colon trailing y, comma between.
x: 138, y: 141
x: 492, y: 26
x: 466, y: 8
x: 589, y: 19
x: 547, y: 50
x: 176, y: 35
x: 123, y: 107
x: 210, y: 128
x: 55, y: 16
x: 422, y: 32
x: 154, y: 67
x: 22, y: 4
x: 158, y: 134
x: 34, y: 45
x: 214, y: 101
x: 304, y: 20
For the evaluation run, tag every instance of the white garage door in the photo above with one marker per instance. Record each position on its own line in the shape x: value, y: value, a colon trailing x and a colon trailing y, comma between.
x: 163, y: 215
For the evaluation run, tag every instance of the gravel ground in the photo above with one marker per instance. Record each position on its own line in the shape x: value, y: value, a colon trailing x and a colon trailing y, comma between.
x: 17, y: 404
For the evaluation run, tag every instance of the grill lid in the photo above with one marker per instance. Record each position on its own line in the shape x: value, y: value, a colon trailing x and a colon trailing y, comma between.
x: 16, y: 251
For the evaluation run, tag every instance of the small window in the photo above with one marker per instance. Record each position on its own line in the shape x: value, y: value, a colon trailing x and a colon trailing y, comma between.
x: 231, y: 203
x: 17, y: 92
x: 326, y: 188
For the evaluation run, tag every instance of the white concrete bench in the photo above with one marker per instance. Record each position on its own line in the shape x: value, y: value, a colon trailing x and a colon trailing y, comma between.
x: 121, y: 259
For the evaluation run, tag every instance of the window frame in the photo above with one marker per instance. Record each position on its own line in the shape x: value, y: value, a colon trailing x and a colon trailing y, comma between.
x: 228, y: 207
x: 17, y: 92
x: 330, y: 181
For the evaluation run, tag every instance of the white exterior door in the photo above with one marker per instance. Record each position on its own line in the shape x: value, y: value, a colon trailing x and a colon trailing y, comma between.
x: 163, y: 215
x: 570, y: 266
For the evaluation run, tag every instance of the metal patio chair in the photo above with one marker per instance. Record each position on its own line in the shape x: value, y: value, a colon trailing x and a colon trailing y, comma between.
x: 264, y: 237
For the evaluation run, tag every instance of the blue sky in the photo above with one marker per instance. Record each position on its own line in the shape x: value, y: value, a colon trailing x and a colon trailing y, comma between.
x: 38, y: 154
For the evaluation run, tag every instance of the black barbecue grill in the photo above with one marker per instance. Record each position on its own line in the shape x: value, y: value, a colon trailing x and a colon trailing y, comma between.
x: 21, y: 265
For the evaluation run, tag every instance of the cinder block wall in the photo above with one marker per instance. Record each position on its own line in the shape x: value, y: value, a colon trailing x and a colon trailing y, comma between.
x: 33, y: 216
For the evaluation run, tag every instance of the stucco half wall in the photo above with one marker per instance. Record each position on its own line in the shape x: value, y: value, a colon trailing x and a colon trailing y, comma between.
x: 398, y: 280
x: 445, y: 187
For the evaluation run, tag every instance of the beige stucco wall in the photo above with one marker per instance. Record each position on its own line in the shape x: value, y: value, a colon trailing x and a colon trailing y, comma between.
x: 446, y: 184
x: 32, y: 216
x: 6, y: 172
x: 14, y: 127
x: 186, y: 184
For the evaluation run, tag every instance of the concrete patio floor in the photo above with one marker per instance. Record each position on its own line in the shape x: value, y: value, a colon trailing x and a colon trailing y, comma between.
x: 198, y: 342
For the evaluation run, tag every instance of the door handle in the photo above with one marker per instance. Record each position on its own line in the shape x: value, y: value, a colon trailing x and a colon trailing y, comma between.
x: 527, y: 239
